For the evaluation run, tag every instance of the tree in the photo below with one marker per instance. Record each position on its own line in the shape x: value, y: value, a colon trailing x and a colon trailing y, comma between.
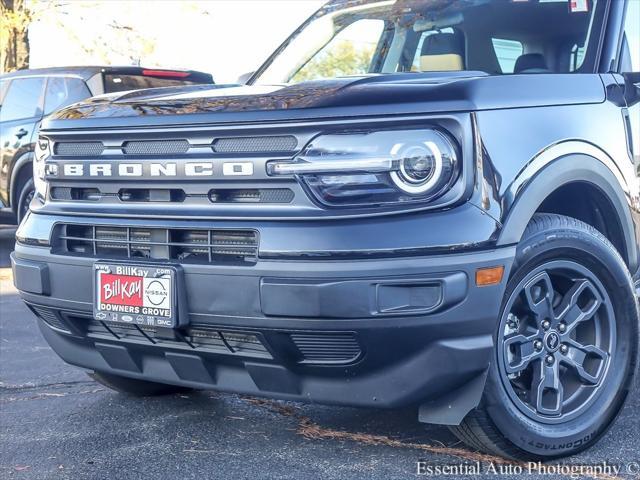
x: 15, y: 18
x: 340, y: 59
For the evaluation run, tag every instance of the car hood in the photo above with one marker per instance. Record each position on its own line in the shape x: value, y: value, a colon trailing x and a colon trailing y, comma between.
x: 350, y: 96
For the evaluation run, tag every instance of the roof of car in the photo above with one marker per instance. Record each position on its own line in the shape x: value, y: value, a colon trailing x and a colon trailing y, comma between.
x: 84, y: 72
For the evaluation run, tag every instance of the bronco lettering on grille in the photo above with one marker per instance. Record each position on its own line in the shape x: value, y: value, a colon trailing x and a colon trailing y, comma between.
x: 147, y: 169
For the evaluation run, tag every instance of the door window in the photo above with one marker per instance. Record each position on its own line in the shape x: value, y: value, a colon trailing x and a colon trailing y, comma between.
x: 23, y: 99
x: 63, y: 91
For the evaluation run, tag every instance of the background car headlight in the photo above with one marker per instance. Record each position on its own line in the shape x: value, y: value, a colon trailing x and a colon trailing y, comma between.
x: 42, y: 152
x: 375, y: 168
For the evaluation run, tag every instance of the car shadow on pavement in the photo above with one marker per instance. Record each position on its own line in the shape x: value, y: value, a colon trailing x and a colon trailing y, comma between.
x: 7, y: 242
x: 6, y: 247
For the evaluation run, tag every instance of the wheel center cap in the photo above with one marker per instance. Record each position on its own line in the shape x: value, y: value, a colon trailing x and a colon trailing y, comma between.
x: 552, y: 341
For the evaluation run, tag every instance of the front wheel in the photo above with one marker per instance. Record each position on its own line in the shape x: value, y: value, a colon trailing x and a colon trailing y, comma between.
x: 25, y: 196
x: 566, y: 346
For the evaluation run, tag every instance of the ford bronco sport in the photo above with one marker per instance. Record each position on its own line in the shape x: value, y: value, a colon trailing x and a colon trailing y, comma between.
x: 412, y: 202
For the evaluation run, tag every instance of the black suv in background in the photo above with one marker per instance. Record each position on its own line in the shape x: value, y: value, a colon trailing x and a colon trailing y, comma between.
x: 28, y: 96
x: 448, y: 217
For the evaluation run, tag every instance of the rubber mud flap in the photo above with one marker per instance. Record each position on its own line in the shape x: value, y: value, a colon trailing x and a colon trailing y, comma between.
x: 451, y: 408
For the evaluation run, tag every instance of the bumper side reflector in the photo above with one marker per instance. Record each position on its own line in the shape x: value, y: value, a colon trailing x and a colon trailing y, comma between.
x: 489, y: 276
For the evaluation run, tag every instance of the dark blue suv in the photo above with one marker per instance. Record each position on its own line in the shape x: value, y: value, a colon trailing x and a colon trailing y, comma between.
x: 412, y: 202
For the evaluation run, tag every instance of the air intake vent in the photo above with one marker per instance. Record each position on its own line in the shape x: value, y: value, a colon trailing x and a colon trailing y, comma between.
x: 199, y: 338
x: 51, y: 318
x: 213, y: 246
x: 78, y: 149
x: 156, y: 147
x: 284, y: 143
x: 327, y: 348
x: 188, y: 246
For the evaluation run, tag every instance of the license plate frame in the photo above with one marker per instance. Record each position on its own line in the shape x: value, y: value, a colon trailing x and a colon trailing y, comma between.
x: 137, y: 294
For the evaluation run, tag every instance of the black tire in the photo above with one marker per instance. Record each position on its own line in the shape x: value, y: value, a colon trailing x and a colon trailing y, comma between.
x: 135, y: 387
x: 24, y: 199
x: 522, y: 424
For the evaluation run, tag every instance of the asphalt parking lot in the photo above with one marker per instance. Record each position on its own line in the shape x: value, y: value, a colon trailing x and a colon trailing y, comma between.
x: 55, y: 422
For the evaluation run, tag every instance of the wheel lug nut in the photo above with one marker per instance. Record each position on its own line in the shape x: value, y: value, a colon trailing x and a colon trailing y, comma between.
x: 537, y: 345
x: 564, y: 349
x: 550, y: 359
x: 562, y: 328
x: 546, y: 324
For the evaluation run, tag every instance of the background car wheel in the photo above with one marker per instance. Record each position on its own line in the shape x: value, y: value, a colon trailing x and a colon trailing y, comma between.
x: 135, y: 387
x: 566, y: 346
x: 24, y: 199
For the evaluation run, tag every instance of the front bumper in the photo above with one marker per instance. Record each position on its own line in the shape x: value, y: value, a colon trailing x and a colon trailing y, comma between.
x: 381, y: 332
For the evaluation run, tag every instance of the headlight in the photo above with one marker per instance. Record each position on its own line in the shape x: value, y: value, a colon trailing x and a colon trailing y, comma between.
x: 42, y: 152
x: 375, y: 168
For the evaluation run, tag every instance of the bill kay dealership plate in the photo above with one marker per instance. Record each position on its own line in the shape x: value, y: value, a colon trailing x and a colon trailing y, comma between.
x: 135, y: 294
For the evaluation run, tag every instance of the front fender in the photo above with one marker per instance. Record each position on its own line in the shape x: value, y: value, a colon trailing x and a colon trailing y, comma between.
x: 24, y: 161
x: 565, y: 163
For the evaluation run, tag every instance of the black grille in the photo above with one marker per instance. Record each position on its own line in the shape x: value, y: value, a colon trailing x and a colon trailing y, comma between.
x: 259, y: 144
x: 327, y: 347
x: 75, y: 193
x: 283, y: 143
x: 156, y: 147
x: 152, y: 195
x: 251, y: 195
x: 187, y: 246
x: 78, y: 149
x: 51, y: 318
x: 203, y: 338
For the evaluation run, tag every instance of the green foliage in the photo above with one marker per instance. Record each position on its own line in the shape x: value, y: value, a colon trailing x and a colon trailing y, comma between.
x: 340, y: 59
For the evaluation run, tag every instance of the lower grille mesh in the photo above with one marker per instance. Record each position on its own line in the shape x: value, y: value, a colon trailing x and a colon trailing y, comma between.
x: 197, y: 337
x: 313, y: 348
x: 51, y: 318
x: 327, y: 347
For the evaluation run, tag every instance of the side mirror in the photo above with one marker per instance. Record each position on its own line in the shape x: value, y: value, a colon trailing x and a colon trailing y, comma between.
x: 632, y: 88
x: 242, y: 79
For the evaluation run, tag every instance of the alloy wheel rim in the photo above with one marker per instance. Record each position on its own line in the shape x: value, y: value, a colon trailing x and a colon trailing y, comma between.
x: 555, y: 341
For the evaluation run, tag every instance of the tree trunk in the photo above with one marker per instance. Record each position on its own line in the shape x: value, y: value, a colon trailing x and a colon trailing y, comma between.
x: 14, y: 35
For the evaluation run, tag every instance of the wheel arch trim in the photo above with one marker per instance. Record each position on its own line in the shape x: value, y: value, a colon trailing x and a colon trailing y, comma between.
x: 24, y: 161
x: 559, y: 165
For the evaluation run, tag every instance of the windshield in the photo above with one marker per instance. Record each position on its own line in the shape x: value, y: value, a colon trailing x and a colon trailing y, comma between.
x: 359, y: 37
